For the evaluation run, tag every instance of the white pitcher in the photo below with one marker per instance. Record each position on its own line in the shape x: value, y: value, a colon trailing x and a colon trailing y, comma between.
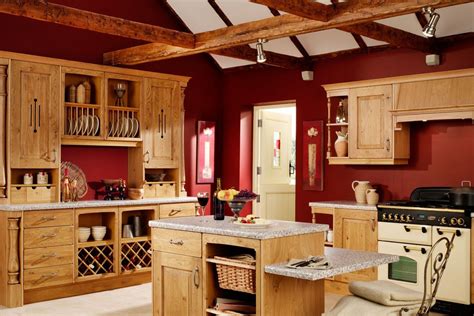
x: 360, y: 188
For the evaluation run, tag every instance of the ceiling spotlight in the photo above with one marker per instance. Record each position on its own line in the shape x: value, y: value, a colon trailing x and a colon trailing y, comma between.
x: 430, y: 29
x: 261, y: 58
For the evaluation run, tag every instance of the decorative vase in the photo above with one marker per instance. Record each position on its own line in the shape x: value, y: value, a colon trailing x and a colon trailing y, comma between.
x: 360, y: 188
x: 372, y: 196
x: 340, y: 146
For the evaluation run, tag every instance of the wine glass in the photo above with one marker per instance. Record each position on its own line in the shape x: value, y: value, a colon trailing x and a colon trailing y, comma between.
x: 203, y: 198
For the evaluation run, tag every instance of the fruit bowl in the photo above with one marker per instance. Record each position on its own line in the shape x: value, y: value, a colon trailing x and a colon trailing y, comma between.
x: 236, y: 200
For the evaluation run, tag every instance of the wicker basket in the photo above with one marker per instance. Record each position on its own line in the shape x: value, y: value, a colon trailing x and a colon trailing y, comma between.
x: 235, y: 274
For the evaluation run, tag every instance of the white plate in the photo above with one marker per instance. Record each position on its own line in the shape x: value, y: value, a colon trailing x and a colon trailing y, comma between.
x: 90, y: 130
x: 136, y: 126
x: 96, y: 124
x: 83, y: 125
x: 260, y: 223
x: 130, y: 127
x: 123, y: 127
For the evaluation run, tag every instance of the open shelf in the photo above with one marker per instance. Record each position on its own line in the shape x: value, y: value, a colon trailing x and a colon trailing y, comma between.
x: 34, y: 193
x: 95, y: 261
x: 135, y: 256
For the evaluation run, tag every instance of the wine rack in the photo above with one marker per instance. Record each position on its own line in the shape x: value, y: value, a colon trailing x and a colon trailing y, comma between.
x: 136, y: 256
x: 95, y: 260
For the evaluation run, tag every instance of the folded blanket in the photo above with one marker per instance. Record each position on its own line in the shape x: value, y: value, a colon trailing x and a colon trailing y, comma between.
x: 386, y: 293
x: 312, y: 262
x: 352, y: 306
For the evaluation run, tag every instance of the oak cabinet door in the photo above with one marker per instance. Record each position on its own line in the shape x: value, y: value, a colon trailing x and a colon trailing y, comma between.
x: 177, y: 285
x: 370, y: 122
x: 356, y: 230
x: 35, y: 98
x: 162, y: 124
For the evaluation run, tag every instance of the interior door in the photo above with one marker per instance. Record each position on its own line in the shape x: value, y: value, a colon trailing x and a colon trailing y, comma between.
x: 277, y: 195
x: 457, y: 268
x: 161, y: 134
x: 35, y: 97
x: 370, y: 122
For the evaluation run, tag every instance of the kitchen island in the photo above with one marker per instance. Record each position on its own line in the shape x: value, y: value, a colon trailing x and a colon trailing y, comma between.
x: 184, y: 269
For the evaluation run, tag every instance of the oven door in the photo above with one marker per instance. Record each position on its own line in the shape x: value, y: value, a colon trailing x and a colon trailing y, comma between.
x: 409, y: 270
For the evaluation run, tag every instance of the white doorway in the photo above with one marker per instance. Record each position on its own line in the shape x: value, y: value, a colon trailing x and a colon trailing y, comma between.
x: 274, y: 156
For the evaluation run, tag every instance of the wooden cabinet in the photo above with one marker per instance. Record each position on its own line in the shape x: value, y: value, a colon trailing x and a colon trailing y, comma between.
x: 35, y: 98
x: 177, y: 282
x: 370, y: 122
x: 356, y: 230
x: 162, y: 124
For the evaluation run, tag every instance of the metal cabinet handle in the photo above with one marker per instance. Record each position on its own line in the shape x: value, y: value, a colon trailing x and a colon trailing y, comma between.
x: 372, y: 224
x: 174, y: 212
x: 420, y: 249
x: 48, y: 218
x: 196, y: 278
x: 176, y: 242
x: 441, y: 231
x: 147, y: 155
x: 387, y: 144
x: 49, y: 235
x: 162, y: 122
x: 39, y: 115
x: 49, y: 255
x: 34, y: 117
x: 45, y: 277
x: 408, y: 228
x: 31, y: 115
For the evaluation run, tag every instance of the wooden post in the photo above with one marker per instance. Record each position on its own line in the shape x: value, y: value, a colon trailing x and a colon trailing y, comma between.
x: 13, y: 252
x: 328, y: 154
x: 3, y: 99
x: 182, y: 162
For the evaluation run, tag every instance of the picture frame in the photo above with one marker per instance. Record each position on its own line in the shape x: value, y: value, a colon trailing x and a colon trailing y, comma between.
x: 206, y: 131
x: 313, y: 163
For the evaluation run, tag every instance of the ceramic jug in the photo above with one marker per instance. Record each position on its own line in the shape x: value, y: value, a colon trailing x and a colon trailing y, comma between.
x: 360, y: 188
x: 372, y: 196
x: 340, y: 145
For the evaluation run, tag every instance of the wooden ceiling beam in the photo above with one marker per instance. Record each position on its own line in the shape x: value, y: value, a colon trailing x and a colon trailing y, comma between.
x: 274, y: 59
x: 355, y: 12
x: 305, y: 8
x: 43, y: 10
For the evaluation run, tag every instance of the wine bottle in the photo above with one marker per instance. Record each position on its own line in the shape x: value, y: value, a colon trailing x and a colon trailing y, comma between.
x: 218, y: 206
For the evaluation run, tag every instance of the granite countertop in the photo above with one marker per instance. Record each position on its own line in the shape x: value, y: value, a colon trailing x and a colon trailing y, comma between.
x: 207, y: 224
x: 342, y: 260
x: 92, y: 203
x: 344, y: 204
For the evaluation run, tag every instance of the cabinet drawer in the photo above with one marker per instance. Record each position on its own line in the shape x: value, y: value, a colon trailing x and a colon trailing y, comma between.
x: 165, y: 189
x: 49, y: 256
x: 33, y: 194
x: 41, y: 277
x: 177, y: 210
x: 47, y: 237
x: 405, y: 233
x: 48, y: 218
x: 176, y: 241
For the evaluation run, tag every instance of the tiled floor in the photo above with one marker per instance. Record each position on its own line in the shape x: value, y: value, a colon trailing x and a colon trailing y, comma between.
x: 131, y: 301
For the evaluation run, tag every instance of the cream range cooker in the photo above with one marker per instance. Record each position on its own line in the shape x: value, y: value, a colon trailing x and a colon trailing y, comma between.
x: 409, y: 229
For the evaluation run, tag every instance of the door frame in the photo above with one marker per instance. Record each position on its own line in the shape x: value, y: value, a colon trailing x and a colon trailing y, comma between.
x: 257, y: 108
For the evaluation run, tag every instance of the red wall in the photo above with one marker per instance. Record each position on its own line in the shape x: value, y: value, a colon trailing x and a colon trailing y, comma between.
x: 203, y: 96
x: 441, y: 152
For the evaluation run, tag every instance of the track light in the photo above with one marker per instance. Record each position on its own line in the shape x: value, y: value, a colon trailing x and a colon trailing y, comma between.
x: 261, y: 58
x: 430, y: 29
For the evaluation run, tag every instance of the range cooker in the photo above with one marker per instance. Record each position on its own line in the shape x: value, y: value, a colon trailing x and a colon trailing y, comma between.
x: 409, y: 229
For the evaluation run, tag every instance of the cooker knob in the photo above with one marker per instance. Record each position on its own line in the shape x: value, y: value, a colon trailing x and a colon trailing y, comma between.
x: 453, y: 221
x: 402, y: 217
x: 460, y: 221
x: 384, y: 216
x: 409, y: 218
x: 443, y: 220
x: 396, y: 217
x: 390, y: 216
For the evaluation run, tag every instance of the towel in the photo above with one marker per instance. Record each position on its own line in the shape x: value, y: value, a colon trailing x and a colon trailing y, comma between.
x: 385, y: 293
x: 353, y: 305
x: 312, y: 262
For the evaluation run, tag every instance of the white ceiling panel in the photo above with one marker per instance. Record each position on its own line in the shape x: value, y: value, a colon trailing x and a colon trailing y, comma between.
x: 455, y: 20
x: 242, y: 11
x: 281, y: 46
x: 198, y: 15
x: 407, y: 23
x: 228, y: 62
x: 371, y: 42
x: 327, y: 41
